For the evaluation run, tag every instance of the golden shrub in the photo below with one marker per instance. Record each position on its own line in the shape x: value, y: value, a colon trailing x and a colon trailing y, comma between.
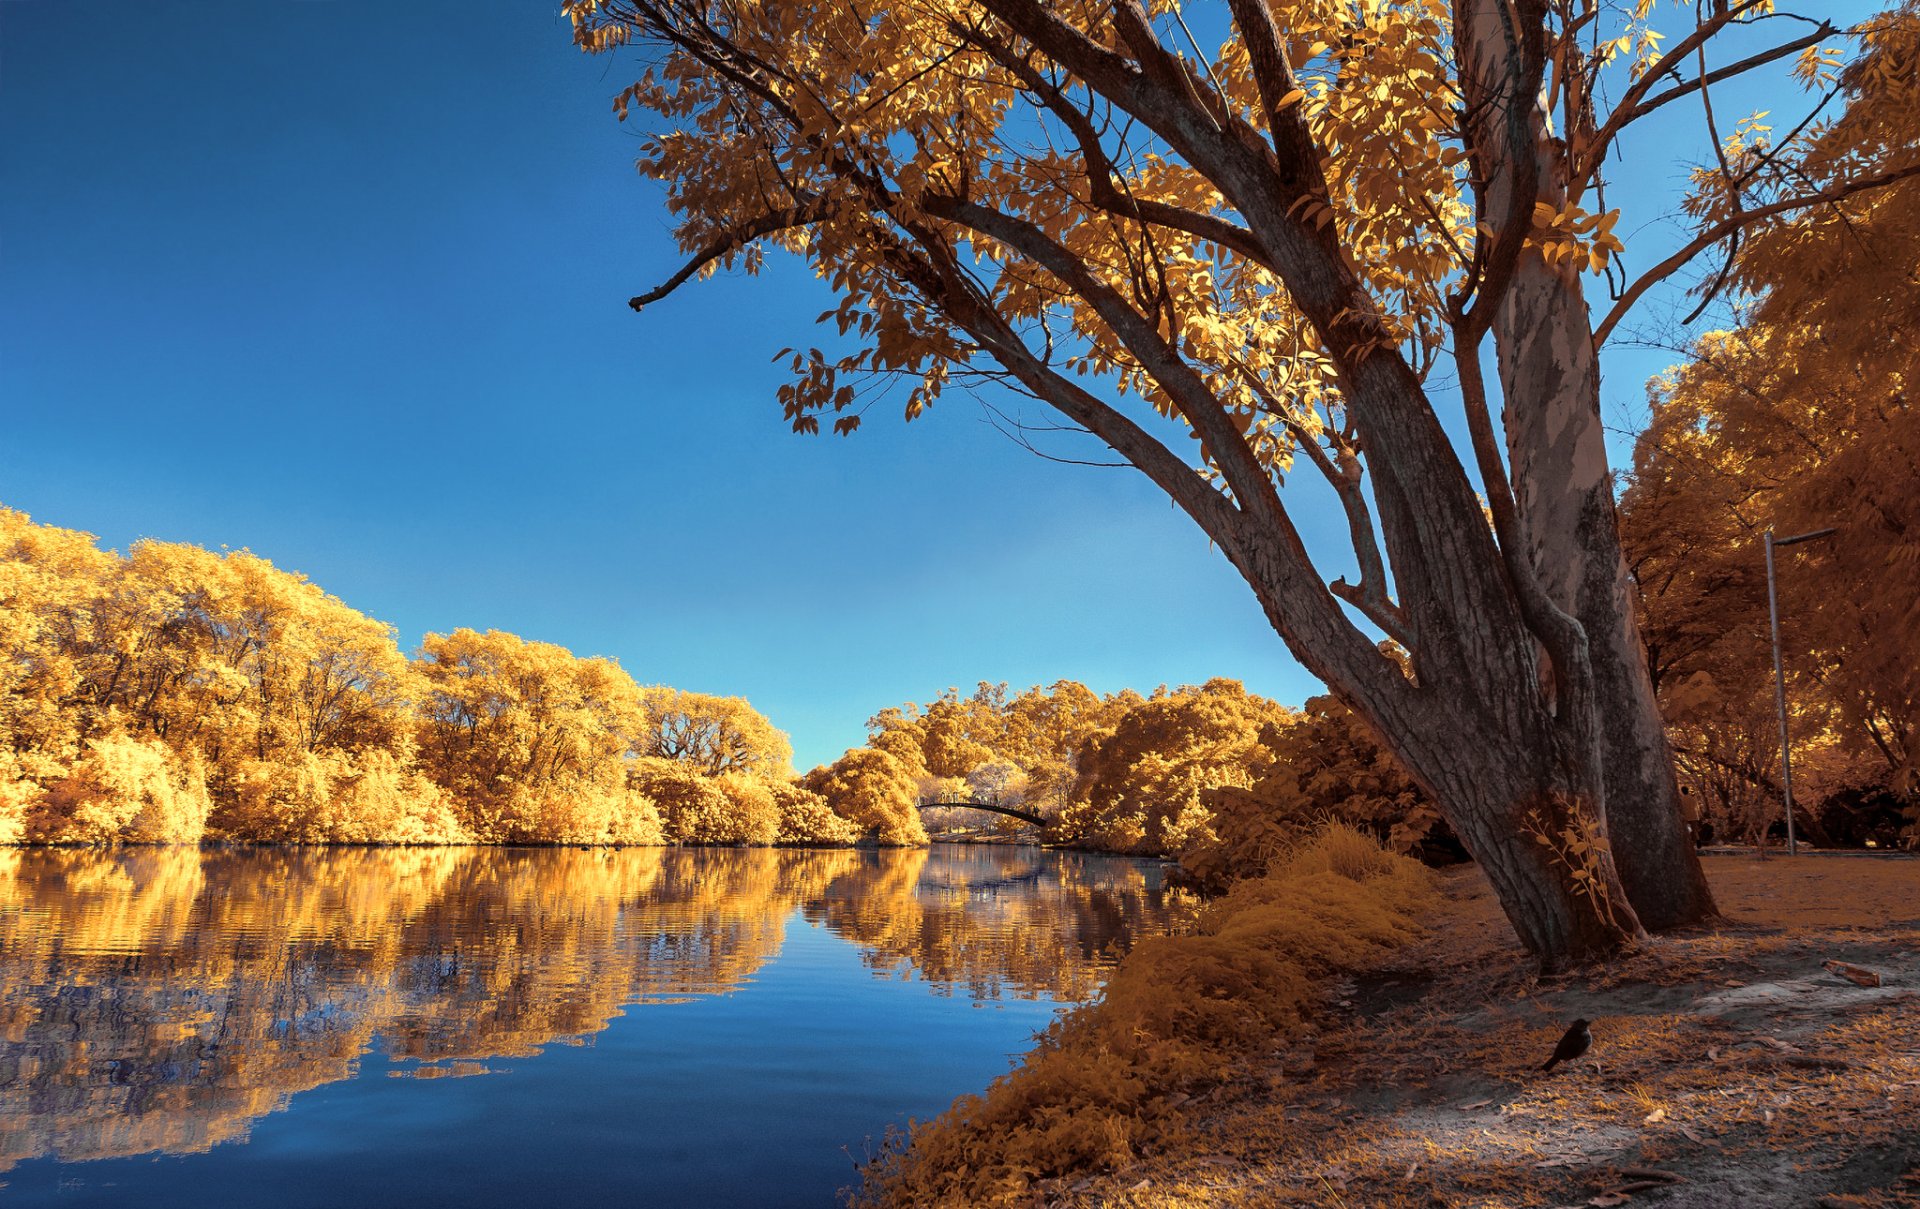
x: 696, y: 809
x: 1177, y: 1012
x: 123, y: 788
x: 875, y: 792
x: 806, y: 819
x: 1141, y: 784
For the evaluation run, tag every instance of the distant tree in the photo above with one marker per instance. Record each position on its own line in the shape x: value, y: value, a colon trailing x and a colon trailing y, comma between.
x: 1038, y: 732
x: 176, y: 692
x: 529, y: 739
x: 873, y: 790
x: 1802, y: 417
x: 806, y: 819
x: 1141, y: 783
x: 713, y: 734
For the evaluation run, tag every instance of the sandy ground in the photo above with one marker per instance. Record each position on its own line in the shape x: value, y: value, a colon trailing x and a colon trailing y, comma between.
x: 1729, y: 1068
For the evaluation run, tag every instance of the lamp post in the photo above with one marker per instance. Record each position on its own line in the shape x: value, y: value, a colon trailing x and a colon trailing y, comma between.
x: 1780, y: 676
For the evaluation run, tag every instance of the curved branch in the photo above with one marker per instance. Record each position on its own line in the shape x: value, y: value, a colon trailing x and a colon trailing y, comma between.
x: 1636, y: 104
x: 1268, y: 554
x: 1720, y: 230
x: 732, y: 241
x: 1100, y: 173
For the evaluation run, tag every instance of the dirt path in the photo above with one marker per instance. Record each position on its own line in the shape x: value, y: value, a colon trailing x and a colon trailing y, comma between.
x: 1729, y: 1068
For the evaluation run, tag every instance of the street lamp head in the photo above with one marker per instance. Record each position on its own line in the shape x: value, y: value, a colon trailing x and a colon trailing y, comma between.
x: 1804, y: 537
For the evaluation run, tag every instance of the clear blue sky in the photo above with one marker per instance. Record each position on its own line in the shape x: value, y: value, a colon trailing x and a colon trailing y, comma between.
x: 345, y: 284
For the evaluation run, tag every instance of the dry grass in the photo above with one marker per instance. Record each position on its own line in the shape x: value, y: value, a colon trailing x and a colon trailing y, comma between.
x: 1109, y: 1079
x: 1729, y: 1069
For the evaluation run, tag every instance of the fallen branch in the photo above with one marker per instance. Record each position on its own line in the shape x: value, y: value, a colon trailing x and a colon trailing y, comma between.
x: 1854, y: 973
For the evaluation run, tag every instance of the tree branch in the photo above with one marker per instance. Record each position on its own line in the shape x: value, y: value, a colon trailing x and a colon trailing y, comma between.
x: 1636, y: 104
x: 1100, y: 165
x: 731, y: 241
x: 1720, y: 230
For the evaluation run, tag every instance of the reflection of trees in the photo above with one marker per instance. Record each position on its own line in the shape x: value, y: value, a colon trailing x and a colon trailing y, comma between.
x: 160, y: 999
x: 163, y: 998
x: 994, y: 920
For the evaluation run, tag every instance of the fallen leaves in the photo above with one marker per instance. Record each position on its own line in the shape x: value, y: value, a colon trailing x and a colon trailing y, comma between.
x: 1693, y: 1135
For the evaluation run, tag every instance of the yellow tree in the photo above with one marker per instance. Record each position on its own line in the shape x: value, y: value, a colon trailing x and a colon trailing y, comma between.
x: 530, y: 740
x: 1800, y: 418
x: 875, y: 792
x: 138, y: 684
x: 713, y: 734
x: 1270, y: 245
x: 1140, y: 784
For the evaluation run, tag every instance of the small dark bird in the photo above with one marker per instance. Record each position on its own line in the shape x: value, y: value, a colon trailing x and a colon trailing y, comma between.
x: 1571, y: 1046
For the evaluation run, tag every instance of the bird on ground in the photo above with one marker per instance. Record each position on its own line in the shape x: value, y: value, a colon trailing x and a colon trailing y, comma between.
x: 1571, y: 1046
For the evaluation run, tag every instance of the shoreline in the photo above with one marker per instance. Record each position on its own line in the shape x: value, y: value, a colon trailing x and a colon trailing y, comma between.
x: 1729, y: 1068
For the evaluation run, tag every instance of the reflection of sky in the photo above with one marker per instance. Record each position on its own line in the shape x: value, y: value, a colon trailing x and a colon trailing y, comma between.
x: 259, y: 1043
x: 276, y: 282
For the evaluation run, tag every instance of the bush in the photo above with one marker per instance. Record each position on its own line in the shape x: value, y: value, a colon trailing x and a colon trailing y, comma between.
x: 696, y: 809
x: 1140, y: 784
x: 875, y: 792
x: 123, y: 788
x: 806, y: 819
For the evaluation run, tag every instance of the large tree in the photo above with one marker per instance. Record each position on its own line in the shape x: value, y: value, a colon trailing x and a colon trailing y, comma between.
x: 1272, y: 246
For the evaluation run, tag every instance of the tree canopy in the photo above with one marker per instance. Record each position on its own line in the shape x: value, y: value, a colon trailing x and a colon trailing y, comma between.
x: 1799, y: 418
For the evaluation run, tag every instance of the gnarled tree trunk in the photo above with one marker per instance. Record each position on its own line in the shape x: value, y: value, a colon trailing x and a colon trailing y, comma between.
x: 1562, y: 489
x: 1551, y: 382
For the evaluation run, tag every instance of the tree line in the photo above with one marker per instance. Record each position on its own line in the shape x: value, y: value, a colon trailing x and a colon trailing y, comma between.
x: 1223, y: 779
x: 174, y: 694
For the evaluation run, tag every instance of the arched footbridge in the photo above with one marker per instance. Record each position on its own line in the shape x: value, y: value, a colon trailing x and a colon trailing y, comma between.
x: 1012, y: 812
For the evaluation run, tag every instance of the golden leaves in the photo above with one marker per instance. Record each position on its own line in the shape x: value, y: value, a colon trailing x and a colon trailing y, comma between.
x: 1574, y: 238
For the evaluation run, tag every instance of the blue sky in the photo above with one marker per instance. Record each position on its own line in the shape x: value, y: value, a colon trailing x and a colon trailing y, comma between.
x: 345, y: 284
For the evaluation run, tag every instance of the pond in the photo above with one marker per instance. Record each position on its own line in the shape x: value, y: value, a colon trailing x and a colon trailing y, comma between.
x: 512, y: 1027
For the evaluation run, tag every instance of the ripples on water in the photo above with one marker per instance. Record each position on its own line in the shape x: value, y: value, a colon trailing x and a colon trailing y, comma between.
x: 187, y: 1027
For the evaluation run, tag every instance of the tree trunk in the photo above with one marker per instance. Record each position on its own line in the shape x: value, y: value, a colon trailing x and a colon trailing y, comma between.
x: 1558, y: 884
x: 1557, y: 461
x: 1508, y: 775
x: 1551, y: 383
x: 1523, y: 801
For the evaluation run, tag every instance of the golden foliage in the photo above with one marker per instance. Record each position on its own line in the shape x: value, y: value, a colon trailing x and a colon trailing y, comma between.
x: 805, y: 818
x: 123, y: 788
x: 714, y: 734
x: 1178, y: 1013
x: 1140, y: 783
x: 1017, y: 750
x: 708, y: 810
x: 1800, y: 418
x: 908, y: 108
x: 529, y: 739
x: 1223, y: 778
x: 875, y: 791
x: 1325, y: 765
x: 176, y: 693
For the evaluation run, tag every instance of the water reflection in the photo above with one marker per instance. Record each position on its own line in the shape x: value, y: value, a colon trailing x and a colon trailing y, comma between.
x: 165, y: 999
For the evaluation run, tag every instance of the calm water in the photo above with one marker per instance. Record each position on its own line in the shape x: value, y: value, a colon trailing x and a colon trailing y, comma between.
x: 519, y: 1027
